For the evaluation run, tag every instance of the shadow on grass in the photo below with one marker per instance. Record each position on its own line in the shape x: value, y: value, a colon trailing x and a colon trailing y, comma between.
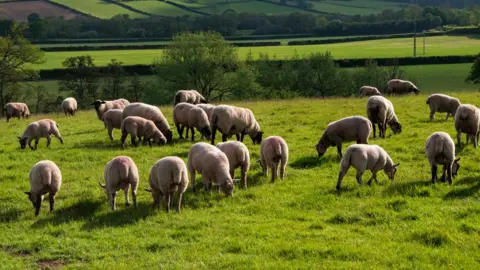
x: 123, y: 215
x: 107, y: 144
x: 461, y: 193
x: 312, y: 161
x: 419, y: 188
x: 89, y: 131
x: 180, y: 154
x: 79, y: 211
x: 9, y: 215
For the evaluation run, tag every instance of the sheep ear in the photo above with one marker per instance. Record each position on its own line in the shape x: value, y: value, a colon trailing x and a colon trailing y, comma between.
x: 457, y: 159
x: 148, y: 190
x: 19, y: 137
x: 102, y: 185
x: 28, y: 193
x: 396, y: 165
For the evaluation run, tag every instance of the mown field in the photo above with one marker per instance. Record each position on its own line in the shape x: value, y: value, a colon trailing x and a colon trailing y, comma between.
x: 402, y: 47
x: 301, y: 222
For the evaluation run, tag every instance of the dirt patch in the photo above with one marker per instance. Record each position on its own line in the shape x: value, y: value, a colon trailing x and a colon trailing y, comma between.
x: 50, y: 264
x: 19, y: 11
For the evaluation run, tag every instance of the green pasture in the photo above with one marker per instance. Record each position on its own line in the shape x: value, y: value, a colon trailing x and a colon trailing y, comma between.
x: 98, y: 8
x: 159, y: 8
x: 356, y: 7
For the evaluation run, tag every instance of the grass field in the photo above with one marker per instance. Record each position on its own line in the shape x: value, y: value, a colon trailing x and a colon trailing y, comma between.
x: 362, y: 7
x: 298, y: 223
x: 98, y: 8
x: 435, y: 46
x: 159, y: 8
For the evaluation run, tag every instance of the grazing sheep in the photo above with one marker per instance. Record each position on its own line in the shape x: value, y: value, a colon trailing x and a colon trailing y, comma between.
x: 208, y: 108
x: 213, y: 164
x: 141, y: 127
x: 380, y: 111
x: 102, y: 106
x: 167, y: 176
x: 366, y: 157
x: 397, y: 86
x: 69, y: 106
x: 124, y: 101
x: 112, y: 119
x: 120, y: 173
x: 16, y: 109
x: 191, y: 116
x: 440, y: 149
x: 189, y: 96
x: 45, y: 177
x: 442, y: 103
x: 274, y: 150
x: 368, y: 91
x: 467, y: 120
x: 149, y: 112
x: 39, y: 129
x: 354, y: 128
x: 231, y: 120
x: 238, y: 156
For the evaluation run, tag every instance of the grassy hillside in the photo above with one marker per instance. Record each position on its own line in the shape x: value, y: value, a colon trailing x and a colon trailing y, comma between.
x: 297, y: 223
x: 159, y: 8
x: 98, y: 8
x: 354, y: 7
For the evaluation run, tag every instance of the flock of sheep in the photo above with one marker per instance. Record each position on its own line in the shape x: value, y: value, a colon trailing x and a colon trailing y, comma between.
x: 216, y: 163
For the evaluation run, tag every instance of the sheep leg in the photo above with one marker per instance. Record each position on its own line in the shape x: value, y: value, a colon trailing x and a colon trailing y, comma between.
x: 49, y: 140
x: 237, y: 136
x: 224, y: 137
x: 459, y: 138
x: 214, y: 132
x: 51, y: 197
x: 374, y: 130
x: 30, y: 144
x: 36, y: 142
x: 193, y: 134
x: 110, y: 132
x: 242, y: 136
x: 134, y: 198
x: 127, y: 201
x: 179, y: 130
x: 186, y: 134
x: 57, y: 134
x: 475, y: 140
x: 274, y: 172
x: 124, y: 136
x: 359, y: 177
x: 432, y: 115
x: 434, y: 173
x: 283, y: 164
x: 112, y: 200
x: 339, y: 149
x: 449, y: 173
x: 132, y: 138
x: 38, y: 204
x: 442, y: 179
x: 192, y: 177
x: 341, y: 174
x: 179, y: 203
x: 263, y: 164
x: 169, y: 199
x: 244, y: 177
x: 446, y: 118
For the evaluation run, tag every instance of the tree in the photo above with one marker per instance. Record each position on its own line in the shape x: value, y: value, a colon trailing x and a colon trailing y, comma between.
x: 115, y: 76
x: 36, y: 26
x: 136, y: 87
x: 82, y: 78
x: 18, y: 56
x: 474, y: 76
x: 40, y: 96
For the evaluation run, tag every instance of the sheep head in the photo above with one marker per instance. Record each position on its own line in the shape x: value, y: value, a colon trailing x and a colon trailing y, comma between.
x: 391, y: 171
x: 36, y: 200
x: 455, y: 167
x: 257, y: 138
x: 23, y: 142
x: 396, y: 127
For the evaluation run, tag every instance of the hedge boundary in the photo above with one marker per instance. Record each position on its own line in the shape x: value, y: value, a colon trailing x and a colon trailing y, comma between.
x: 361, y: 38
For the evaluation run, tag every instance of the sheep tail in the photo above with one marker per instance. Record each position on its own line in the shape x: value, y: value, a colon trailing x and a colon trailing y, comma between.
x: 345, y: 162
x: 57, y: 125
x: 278, y: 152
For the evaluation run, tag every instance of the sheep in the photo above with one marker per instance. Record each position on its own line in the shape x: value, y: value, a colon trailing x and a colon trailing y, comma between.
x: 366, y: 157
x: 354, y: 128
x: 39, y: 129
x: 149, y: 112
x: 112, y: 119
x: 442, y: 103
x: 102, y: 106
x: 238, y: 156
x: 45, y: 177
x: 189, y: 96
x: 124, y: 101
x: 231, y: 120
x: 467, y: 120
x: 141, y: 127
x: 208, y: 108
x: 69, y: 106
x: 381, y: 111
x: 16, y: 109
x: 397, y: 86
x: 120, y: 173
x: 274, y: 150
x: 190, y: 116
x: 367, y: 91
x: 440, y: 149
x: 212, y: 164
x: 167, y: 176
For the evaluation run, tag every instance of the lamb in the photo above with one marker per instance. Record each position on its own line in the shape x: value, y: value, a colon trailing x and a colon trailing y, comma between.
x: 151, y: 113
x: 212, y: 164
x: 380, y: 111
x: 366, y: 157
x: 274, y: 150
x: 45, y: 177
x: 141, y: 127
x: 367, y: 91
x: 208, y: 108
x: 190, y: 116
x: 102, y: 106
x: 16, y: 109
x: 397, y: 86
x: 442, y: 103
x: 69, y: 106
x: 230, y: 120
x: 167, y: 176
x: 238, y: 157
x: 354, y: 128
x: 120, y: 173
x: 112, y: 119
x: 467, y: 120
x: 189, y: 96
x: 39, y: 129
x: 440, y: 149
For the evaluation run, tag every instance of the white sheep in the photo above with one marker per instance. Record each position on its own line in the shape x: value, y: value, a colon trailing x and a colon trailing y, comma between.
x: 354, y: 128
x: 39, y: 129
x: 238, y: 157
x: 366, y: 157
x: 191, y: 116
x: 397, y: 86
x: 102, y: 106
x: 69, y: 106
x: 189, y: 96
x: 208, y: 108
x: 167, y: 176
x: 16, y: 109
x: 442, y: 103
x: 152, y: 113
x: 440, y: 149
x: 467, y: 120
x: 213, y: 164
x: 367, y: 91
x: 231, y: 120
x: 112, y: 119
x: 45, y: 177
x: 381, y: 111
x: 120, y: 173
x: 141, y: 127
x: 274, y: 151
x: 124, y: 101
